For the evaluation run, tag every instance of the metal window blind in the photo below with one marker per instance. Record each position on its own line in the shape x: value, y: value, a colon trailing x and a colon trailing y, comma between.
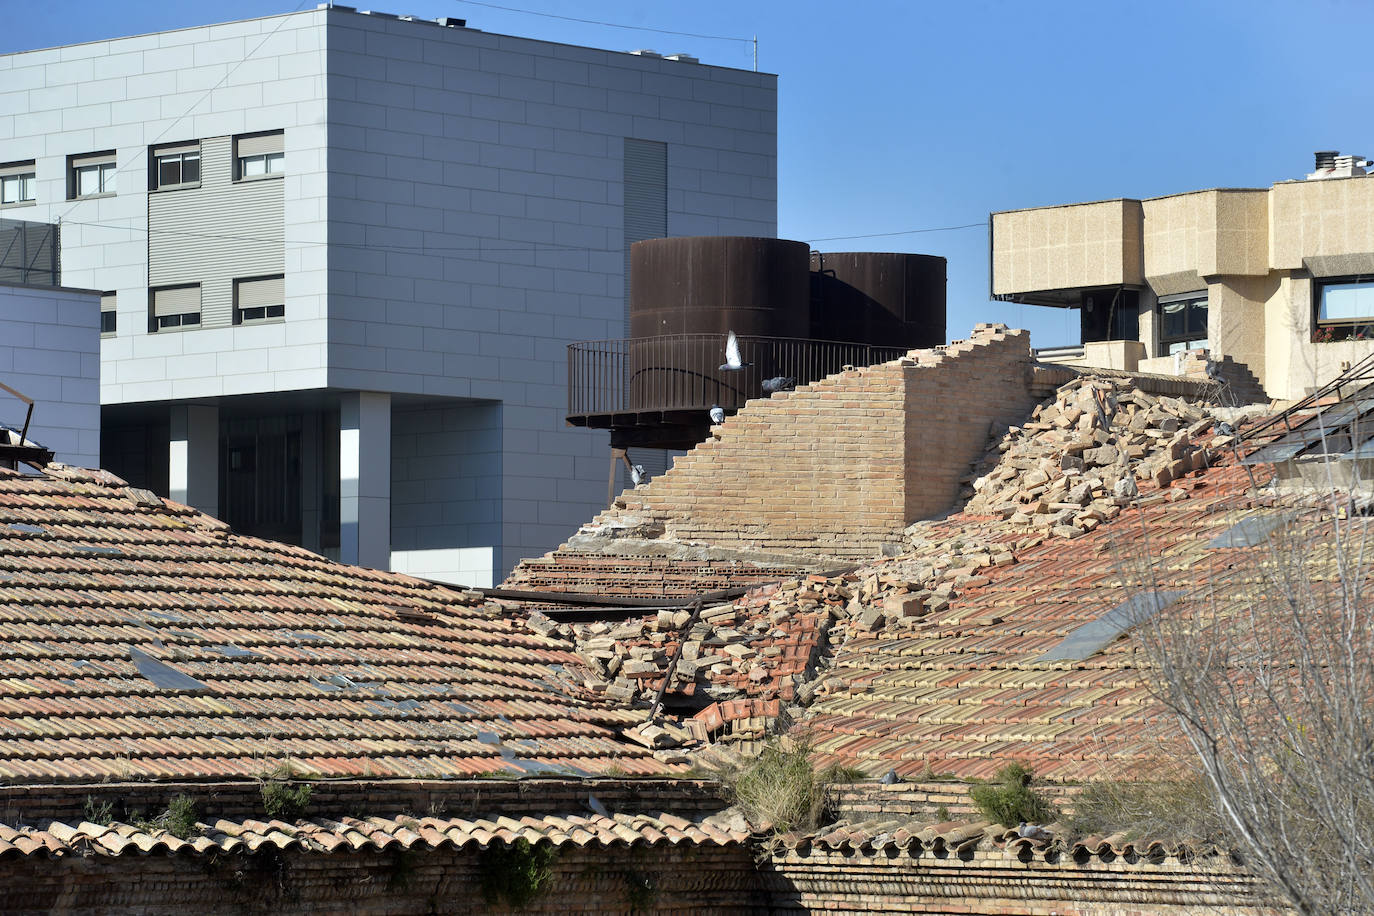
x: 192, y: 147
x: 265, y: 291
x: 93, y: 159
x: 17, y: 168
x: 107, y: 302
x: 260, y: 144
x: 177, y: 300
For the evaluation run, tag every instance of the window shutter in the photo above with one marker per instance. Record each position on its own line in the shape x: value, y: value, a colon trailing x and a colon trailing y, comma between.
x: 107, y: 302
x: 178, y: 300
x: 260, y: 144
x: 93, y: 159
x: 263, y: 292
x: 192, y: 147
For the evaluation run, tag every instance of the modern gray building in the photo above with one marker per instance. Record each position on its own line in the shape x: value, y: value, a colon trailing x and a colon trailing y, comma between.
x: 343, y: 254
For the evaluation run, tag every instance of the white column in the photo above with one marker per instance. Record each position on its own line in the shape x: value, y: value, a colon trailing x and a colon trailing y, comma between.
x: 365, y: 479
x: 193, y: 457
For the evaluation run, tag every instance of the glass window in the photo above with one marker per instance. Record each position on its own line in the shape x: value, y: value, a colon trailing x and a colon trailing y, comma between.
x: 259, y: 155
x: 92, y: 174
x: 259, y: 300
x: 177, y: 167
x: 108, y: 315
x: 18, y: 184
x: 175, y: 307
x: 1183, y: 324
x: 1344, y: 309
x: 1345, y: 301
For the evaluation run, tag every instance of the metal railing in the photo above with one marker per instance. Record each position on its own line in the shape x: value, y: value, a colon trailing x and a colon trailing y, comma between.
x: 681, y: 371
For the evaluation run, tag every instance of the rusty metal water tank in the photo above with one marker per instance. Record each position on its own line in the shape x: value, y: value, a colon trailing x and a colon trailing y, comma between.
x: 878, y: 298
x: 714, y: 284
x: 687, y: 293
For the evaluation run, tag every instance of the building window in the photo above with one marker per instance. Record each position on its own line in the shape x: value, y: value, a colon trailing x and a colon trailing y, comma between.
x: 259, y: 300
x: 175, y: 166
x: 174, y: 307
x: 1344, y: 309
x: 92, y: 175
x: 108, y: 315
x: 1182, y: 323
x: 259, y: 156
x: 18, y: 184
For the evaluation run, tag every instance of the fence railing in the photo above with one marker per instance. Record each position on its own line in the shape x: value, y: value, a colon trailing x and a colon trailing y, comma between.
x: 682, y: 371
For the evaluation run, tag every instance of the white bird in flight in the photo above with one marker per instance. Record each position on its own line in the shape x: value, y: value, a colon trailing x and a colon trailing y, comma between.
x: 717, y: 414
x: 732, y: 358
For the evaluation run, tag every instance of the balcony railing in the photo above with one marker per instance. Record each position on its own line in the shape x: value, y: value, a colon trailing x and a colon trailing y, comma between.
x: 681, y: 372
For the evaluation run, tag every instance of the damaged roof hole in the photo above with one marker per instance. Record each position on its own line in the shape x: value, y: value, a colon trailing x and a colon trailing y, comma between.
x: 26, y: 528
x: 1095, y: 635
x: 232, y: 651
x: 163, y: 674
x: 1250, y: 532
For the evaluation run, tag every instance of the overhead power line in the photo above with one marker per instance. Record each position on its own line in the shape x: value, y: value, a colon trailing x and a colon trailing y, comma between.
x: 883, y: 235
x: 610, y: 25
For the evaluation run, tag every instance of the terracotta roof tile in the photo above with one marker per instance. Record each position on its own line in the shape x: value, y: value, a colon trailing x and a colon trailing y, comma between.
x: 342, y: 670
x: 969, y: 692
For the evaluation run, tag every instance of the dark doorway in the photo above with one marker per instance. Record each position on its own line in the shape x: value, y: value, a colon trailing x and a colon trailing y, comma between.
x: 260, y: 479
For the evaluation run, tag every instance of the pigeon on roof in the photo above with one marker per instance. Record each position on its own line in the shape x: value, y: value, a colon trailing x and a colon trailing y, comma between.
x: 637, y: 475
x: 596, y: 807
x: 890, y: 778
x: 1225, y: 429
x: 779, y: 383
x: 717, y: 414
x: 732, y: 358
x: 1126, y: 488
x: 1033, y: 832
x: 1214, y: 370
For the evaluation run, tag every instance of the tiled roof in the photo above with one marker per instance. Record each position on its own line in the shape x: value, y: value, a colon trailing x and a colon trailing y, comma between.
x: 350, y: 834
x: 913, y: 836
x: 140, y: 639
x: 970, y: 689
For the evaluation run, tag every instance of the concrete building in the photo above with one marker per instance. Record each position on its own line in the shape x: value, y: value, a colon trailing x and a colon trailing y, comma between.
x: 1277, y: 284
x: 343, y: 254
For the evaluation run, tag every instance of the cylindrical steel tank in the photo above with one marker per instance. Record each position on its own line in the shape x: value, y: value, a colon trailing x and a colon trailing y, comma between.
x: 714, y: 284
x: 710, y: 285
x: 889, y: 299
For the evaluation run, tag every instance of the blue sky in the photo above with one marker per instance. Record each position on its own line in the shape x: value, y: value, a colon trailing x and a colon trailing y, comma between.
x: 897, y: 115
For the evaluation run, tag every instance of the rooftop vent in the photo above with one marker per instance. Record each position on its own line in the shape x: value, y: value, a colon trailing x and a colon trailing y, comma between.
x: 684, y: 58
x: 1331, y: 164
x: 450, y: 22
x: 645, y: 52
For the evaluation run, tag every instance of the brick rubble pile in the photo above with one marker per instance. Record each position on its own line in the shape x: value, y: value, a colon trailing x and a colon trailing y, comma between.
x: 748, y: 667
x: 1067, y: 470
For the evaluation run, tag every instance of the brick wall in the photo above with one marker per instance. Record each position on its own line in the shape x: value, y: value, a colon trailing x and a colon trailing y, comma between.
x: 641, y: 577
x: 989, y: 880
x: 656, y: 879
x: 840, y: 467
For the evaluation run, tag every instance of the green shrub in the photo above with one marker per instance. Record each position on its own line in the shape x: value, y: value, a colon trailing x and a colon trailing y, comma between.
x: 1010, y: 799
x: 281, y: 799
x: 517, y: 873
x: 98, y: 811
x: 1163, y: 808
x: 180, y: 817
